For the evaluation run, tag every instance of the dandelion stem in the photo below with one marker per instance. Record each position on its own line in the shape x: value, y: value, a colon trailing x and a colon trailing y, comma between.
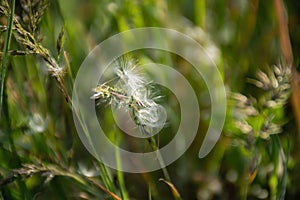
x: 119, y: 171
x: 160, y: 159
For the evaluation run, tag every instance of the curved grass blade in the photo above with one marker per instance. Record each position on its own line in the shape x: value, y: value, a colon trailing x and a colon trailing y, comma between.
x: 173, y: 189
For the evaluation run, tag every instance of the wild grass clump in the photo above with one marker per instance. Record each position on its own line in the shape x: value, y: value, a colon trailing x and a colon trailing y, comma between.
x: 256, y: 125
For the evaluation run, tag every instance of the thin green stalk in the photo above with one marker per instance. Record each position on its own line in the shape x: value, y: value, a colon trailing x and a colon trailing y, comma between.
x: 105, y: 177
x: 120, y: 175
x: 200, y: 8
x: 280, y: 189
x: 160, y: 159
x: 149, y: 193
x: 69, y: 70
x: 103, y: 169
x: 3, y: 97
x: 5, y: 53
x: 104, y: 172
x: 244, y: 192
x: 1, y: 196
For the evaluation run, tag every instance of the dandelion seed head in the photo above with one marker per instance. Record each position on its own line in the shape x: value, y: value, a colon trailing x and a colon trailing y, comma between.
x: 154, y: 116
x: 133, y: 93
x: 130, y: 79
x: 133, y: 83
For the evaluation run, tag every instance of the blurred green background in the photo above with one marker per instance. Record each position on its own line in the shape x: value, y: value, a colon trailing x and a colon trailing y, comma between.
x: 41, y: 154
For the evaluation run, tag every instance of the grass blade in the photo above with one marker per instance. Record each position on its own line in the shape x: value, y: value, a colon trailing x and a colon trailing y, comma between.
x: 5, y: 53
x: 120, y: 175
x: 281, y: 190
x: 149, y: 193
x: 173, y: 189
x: 200, y: 12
